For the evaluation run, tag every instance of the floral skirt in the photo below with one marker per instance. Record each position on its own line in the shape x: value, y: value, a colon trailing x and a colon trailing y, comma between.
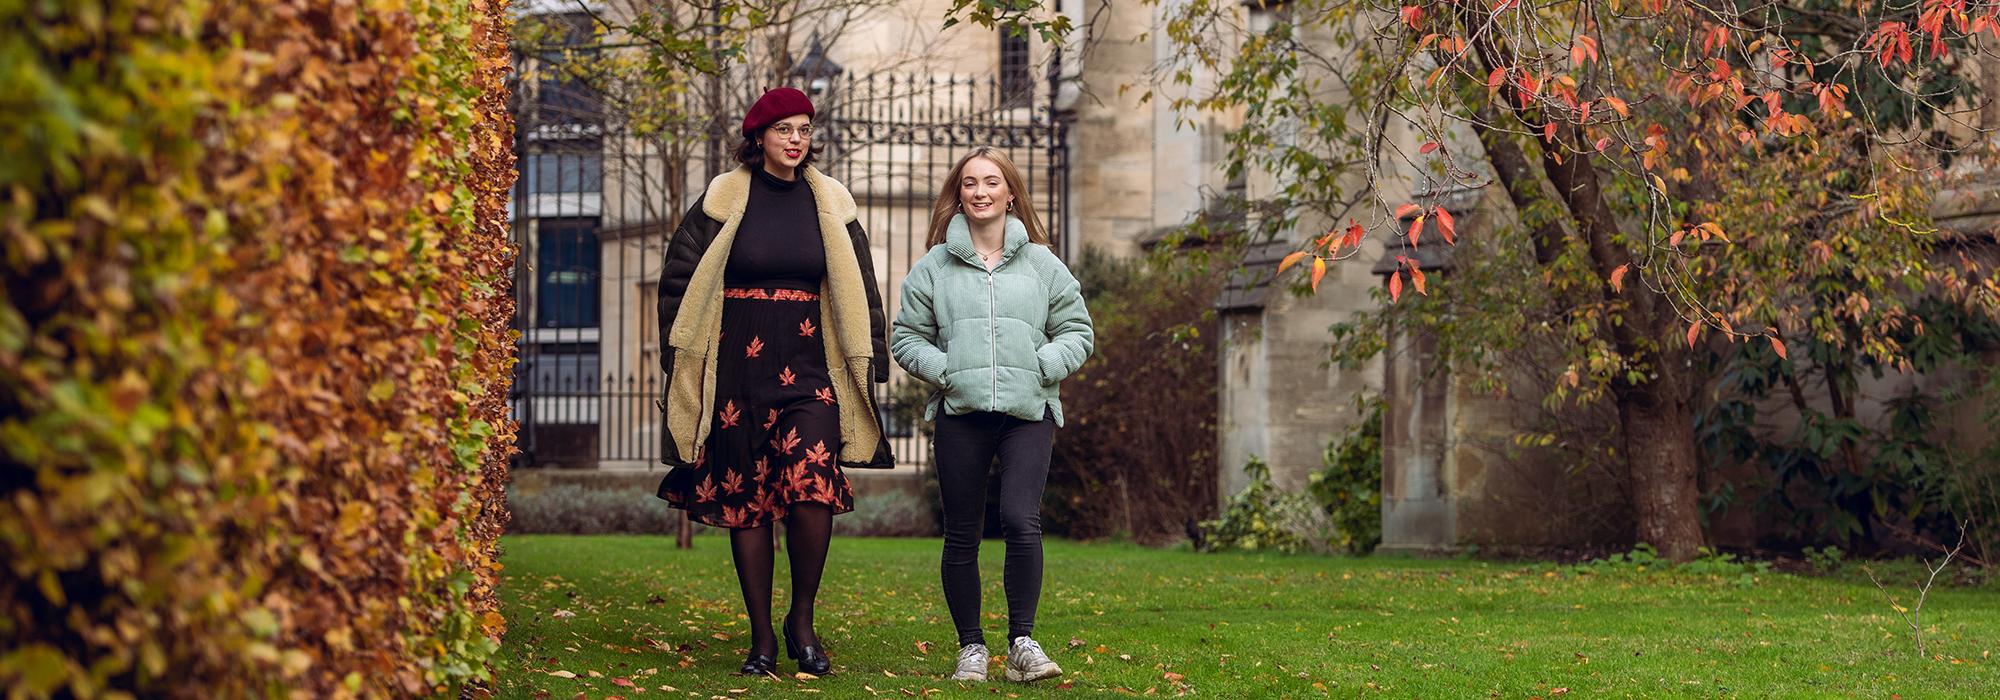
x: 775, y: 435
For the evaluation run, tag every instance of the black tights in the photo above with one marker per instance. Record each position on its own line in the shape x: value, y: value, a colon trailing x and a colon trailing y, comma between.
x: 808, y: 530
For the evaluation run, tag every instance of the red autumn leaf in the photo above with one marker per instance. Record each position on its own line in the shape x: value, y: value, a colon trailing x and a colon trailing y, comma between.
x: 1694, y: 330
x: 1618, y: 278
x: 1412, y: 15
x: 1417, y: 278
x: 1779, y: 346
x: 1603, y: 143
x: 1428, y: 147
x: 1395, y: 287
x: 1583, y: 50
x: 1319, y: 271
x: 1407, y: 210
x: 1354, y: 234
x: 1549, y: 132
x: 1290, y: 260
x: 1447, y: 227
x: 1494, y: 80
x: 1416, y: 230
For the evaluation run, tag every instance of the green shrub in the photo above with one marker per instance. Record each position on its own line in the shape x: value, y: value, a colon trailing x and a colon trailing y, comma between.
x: 1262, y: 517
x: 1349, y: 487
x: 891, y: 513
x: 579, y: 509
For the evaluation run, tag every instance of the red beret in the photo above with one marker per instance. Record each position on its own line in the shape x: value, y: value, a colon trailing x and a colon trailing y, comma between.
x: 776, y: 104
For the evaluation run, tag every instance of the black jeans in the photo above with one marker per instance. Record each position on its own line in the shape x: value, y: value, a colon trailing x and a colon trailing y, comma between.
x: 966, y: 446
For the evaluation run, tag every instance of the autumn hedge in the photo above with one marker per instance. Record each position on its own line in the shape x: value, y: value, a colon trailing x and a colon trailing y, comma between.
x: 253, y: 346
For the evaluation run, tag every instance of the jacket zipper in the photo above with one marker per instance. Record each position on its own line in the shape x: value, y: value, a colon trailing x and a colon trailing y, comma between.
x: 992, y: 346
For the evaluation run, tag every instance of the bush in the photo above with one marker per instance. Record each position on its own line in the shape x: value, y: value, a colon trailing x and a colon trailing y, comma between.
x: 578, y: 509
x: 891, y: 513
x: 1262, y: 517
x: 1137, y: 454
x: 1348, y: 488
x: 254, y: 340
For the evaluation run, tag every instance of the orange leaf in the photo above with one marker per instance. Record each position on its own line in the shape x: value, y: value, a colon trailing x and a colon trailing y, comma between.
x: 1417, y: 277
x: 1319, y: 270
x: 1416, y: 230
x: 1407, y: 210
x: 1603, y: 143
x: 1618, y: 278
x: 1447, y: 227
x: 1494, y: 80
x: 1428, y: 147
x: 1549, y: 132
x: 1618, y: 105
x: 1779, y: 346
x: 1694, y: 330
x: 1289, y: 261
x: 1395, y: 287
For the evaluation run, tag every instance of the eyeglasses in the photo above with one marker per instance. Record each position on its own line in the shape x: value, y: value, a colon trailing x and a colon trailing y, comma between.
x: 785, y: 131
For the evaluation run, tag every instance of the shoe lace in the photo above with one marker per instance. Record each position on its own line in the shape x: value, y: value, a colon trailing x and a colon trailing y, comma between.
x: 1028, y: 646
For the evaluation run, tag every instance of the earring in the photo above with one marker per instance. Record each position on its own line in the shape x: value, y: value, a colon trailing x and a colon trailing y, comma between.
x: 1010, y: 206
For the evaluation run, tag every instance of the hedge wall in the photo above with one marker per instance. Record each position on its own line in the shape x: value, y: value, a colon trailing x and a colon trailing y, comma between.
x: 253, y: 346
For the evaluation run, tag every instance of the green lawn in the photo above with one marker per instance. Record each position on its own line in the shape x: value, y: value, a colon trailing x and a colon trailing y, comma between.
x: 1126, y: 619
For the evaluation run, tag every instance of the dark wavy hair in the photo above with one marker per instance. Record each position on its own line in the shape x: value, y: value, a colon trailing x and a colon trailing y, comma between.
x: 750, y: 153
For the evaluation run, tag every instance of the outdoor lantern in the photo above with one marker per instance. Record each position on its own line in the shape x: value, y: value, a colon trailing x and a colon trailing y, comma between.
x: 816, y: 69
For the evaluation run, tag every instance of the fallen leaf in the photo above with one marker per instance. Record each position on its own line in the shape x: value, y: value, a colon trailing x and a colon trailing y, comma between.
x: 1175, y: 677
x: 802, y: 675
x: 923, y: 647
x: 563, y: 615
x: 562, y: 674
x: 1074, y: 643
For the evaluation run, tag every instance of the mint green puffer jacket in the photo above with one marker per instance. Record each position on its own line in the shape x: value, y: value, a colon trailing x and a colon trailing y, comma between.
x: 996, y: 341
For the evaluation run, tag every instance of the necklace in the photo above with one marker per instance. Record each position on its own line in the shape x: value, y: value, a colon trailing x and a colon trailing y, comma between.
x: 987, y: 254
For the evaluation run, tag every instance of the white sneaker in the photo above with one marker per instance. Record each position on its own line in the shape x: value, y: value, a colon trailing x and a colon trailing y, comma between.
x: 1027, y: 662
x: 972, y: 661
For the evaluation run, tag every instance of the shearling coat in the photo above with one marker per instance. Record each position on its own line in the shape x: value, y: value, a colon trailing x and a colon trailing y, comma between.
x: 690, y: 307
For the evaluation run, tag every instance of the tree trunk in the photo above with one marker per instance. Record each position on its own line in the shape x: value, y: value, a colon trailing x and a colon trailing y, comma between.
x: 1659, y: 446
x: 1654, y: 414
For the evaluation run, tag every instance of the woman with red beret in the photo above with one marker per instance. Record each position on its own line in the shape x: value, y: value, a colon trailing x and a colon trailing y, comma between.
x: 774, y: 331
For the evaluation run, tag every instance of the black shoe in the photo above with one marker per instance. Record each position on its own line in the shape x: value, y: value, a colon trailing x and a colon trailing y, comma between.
x: 758, y: 665
x: 810, y: 657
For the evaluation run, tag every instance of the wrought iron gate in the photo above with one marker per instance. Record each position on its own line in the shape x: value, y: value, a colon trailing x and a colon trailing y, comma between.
x: 595, y: 201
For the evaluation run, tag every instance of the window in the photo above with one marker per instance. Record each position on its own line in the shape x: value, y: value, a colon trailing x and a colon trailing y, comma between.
x: 1017, y: 88
x: 564, y: 173
x: 567, y: 269
x: 559, y: 98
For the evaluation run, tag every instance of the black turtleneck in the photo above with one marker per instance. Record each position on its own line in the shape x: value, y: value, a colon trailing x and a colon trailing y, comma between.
x: 778, y: 243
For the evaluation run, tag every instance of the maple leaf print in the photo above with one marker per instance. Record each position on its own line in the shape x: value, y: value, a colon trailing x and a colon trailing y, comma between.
x: 771, y: 420
x: 806, y: 328
x: 729, y: 414
x: 818, y: 454
x: 825, y: 395
x: 755, y: 348
x: 797, y: 475
x: 732, y: 516
x: 763, y: 469
x: 786, y: 378
x: 734, y: 484
x: 705, y: 492
x: 784, y: 445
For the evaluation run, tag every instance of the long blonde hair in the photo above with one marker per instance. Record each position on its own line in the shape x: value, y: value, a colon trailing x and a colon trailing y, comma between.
x: 1024, y: 207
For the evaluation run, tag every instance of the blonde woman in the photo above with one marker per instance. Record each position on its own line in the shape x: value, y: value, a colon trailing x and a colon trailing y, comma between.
x: 992, y: 318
